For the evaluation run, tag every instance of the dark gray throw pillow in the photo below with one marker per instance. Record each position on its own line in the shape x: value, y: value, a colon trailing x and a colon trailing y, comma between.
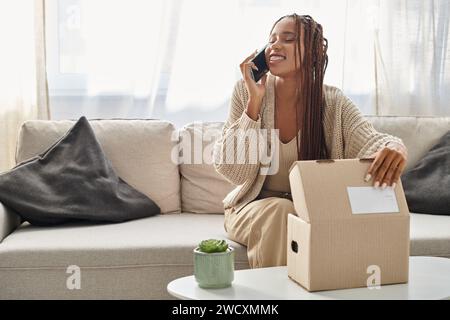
x: 427, y: 185
x: 72, y: 181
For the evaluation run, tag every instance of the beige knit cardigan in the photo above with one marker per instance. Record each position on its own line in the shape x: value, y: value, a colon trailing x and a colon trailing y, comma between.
x: 347, y: 135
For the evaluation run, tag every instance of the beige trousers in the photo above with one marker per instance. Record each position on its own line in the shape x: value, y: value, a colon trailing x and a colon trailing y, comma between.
x: 261, y: 226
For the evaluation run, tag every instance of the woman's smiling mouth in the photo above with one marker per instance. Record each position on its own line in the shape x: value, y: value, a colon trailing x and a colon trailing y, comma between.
x: 276, y: 58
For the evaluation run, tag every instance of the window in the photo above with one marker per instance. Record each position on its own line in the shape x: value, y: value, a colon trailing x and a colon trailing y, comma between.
x: 101, y: 56
x: 178, y: 59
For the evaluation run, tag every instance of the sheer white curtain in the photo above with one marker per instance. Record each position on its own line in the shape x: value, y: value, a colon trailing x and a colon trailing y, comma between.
x: 391, y: 57
x: 211, y: 39
x: 23, y: 89
x: 178, y: 59
x: 170, y: 59
x: 413, y: 57
x: 104, y: 57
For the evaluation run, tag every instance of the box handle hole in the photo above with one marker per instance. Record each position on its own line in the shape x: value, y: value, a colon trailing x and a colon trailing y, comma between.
x: 294, y: 246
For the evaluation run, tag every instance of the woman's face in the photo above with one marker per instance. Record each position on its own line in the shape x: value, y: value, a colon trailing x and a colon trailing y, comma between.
x: 280, y: 53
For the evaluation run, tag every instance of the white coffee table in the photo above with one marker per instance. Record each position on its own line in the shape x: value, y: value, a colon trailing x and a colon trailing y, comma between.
x: 429, y: 278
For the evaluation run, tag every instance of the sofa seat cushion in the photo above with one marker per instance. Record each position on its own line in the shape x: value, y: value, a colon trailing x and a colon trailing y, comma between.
x: 159, y: 240
x: 137, y: 259
x: 166, y: 239
x: 130, y: 260
x: 430, y: 235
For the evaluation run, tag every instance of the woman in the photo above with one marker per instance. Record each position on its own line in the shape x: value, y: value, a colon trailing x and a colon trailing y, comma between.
x: 314, y: 121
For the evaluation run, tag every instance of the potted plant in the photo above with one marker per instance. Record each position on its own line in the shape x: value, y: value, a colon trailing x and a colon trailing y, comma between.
x: 214, y: 264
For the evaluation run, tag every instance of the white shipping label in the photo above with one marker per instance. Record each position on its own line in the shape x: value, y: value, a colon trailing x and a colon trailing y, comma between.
x: 367, y: 200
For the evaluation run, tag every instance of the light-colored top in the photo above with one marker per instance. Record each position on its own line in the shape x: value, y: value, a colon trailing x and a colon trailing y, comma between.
x: 287, y: 155
x: 428, y: 280
x: 347, y: 135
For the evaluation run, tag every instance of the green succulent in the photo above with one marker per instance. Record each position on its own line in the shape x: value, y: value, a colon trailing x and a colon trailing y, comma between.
x: 213, y: 245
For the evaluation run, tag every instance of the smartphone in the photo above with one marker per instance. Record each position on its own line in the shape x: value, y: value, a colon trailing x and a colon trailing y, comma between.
x: 260, y: 61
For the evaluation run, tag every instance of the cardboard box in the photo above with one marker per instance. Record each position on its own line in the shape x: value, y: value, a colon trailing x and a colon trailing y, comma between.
x: 336, y: 241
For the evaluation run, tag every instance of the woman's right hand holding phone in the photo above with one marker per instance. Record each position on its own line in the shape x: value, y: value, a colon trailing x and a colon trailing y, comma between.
x: 256, y: 91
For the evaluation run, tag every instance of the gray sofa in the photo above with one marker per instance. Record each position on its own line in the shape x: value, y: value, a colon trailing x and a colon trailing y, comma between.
x: 136, y: 259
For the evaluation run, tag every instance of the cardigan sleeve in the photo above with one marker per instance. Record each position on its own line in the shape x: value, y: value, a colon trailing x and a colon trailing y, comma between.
x: 234, y: 158
x: 361, y: 140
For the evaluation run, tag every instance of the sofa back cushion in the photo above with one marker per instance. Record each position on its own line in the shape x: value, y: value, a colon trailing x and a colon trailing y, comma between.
x: 419, y: 134
x: 202, y: 188
x: 139, y: 150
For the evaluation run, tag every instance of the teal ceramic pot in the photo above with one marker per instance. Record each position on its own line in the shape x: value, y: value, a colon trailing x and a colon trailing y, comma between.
x: 214, y: 270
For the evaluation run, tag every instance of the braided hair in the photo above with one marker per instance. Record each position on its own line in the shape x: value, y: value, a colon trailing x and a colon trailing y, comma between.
x: 309, y: 77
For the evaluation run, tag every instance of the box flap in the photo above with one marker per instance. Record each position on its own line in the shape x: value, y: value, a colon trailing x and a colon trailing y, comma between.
x: 320, y: 191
